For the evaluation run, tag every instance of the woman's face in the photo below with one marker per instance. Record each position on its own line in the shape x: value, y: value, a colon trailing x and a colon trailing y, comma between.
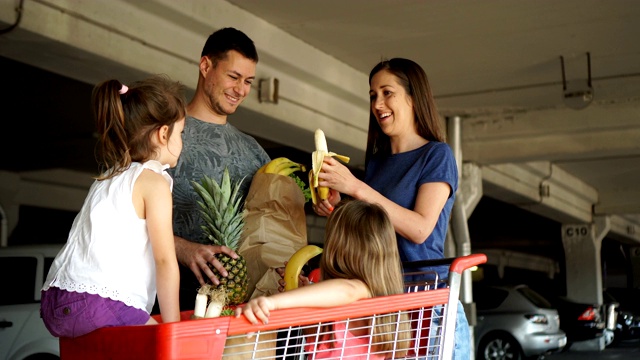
x: 391, y: 105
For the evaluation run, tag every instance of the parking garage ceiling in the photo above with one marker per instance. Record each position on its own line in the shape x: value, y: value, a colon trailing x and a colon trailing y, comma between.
x: 513, y: 71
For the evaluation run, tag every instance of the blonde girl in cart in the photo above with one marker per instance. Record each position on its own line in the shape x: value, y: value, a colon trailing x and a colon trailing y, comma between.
x: 359, y: 260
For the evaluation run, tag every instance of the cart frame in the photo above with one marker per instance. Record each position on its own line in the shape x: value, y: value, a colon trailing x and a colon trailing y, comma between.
x: 215, y: 338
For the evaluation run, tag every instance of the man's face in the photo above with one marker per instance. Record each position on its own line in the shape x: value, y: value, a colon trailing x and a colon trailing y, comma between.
x: 229, y: 82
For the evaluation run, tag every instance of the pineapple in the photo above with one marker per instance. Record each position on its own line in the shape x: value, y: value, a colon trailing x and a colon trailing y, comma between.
x: 223, y: 213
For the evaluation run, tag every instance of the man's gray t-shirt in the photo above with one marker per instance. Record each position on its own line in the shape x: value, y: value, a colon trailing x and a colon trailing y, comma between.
x: 207, y: 149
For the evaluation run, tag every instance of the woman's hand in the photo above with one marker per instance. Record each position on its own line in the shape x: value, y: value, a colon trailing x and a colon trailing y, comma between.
x: 338, y: 177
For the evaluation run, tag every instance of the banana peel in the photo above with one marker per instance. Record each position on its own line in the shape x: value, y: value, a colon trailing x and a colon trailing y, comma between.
x: 296, y: 262
x: 319, y: 193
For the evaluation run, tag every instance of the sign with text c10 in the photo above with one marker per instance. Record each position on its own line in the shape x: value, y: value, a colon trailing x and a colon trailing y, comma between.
x: 577, y: 230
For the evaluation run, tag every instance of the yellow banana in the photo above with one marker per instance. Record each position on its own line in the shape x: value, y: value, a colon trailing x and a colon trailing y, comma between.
x: 295, y: 264
x: 284, y: 166
x: 314, y: 198
x: 291, y: 169
x: 261, y: 170
x: 274, y: 164
x: 281, y: 166
x: 317, y: 158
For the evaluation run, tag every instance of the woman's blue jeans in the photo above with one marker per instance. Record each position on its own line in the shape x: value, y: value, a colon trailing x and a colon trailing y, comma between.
x: 462, y: 337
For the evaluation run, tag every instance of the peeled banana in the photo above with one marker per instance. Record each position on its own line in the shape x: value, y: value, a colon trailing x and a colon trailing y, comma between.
x: 296, y: 262
x: 319, y: 193
x: 281, y: 166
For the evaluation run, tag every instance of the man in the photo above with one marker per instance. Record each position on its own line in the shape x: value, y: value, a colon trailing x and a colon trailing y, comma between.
x: 226, y: 71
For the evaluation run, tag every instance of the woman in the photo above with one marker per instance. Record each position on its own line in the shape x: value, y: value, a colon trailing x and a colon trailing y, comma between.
x: 409, y: 170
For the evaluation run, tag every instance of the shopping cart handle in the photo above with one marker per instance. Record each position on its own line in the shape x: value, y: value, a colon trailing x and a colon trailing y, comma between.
x: 461, y: 263
x: 468, y: 261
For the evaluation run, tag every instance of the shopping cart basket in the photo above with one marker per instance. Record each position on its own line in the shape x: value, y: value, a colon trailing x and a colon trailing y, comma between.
x: 405, y: 319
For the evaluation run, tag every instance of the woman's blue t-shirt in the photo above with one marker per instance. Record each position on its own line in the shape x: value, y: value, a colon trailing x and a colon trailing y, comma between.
x: 399, y: 176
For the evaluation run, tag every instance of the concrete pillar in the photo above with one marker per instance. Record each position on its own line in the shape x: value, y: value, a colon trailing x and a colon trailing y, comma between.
x: 582, y: 245
x: 458, y: 227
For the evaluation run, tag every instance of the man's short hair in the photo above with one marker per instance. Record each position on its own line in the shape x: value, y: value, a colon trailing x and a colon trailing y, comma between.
x: 226, y: 39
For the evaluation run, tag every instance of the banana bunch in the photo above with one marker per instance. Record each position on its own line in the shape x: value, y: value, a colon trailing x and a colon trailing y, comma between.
x: 317, y: 158
x: 281, y: 166
x: 296, y: 262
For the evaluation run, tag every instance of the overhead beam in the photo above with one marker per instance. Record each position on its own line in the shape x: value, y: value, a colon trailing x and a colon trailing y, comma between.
x: 505, y: 258
x: 602, y: 130
x: 626, y: 230
x: 547, y: 190
x: 542, y: 188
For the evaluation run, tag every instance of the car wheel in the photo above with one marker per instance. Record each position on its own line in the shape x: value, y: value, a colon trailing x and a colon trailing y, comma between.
x: 499, y: 347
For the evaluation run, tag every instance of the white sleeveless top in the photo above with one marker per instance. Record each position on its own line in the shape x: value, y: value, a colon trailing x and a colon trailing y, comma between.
x: 108, y: 251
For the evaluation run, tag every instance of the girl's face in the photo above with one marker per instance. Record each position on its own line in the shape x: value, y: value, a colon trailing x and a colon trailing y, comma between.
x: 174, y: 145
x: 391, y: 105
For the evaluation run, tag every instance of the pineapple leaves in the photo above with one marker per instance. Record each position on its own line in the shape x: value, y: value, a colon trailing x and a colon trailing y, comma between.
x: 221, y: 209
x: 222, y: 214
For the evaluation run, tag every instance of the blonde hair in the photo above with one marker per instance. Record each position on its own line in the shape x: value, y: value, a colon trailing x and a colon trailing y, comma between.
x: 360, y: 243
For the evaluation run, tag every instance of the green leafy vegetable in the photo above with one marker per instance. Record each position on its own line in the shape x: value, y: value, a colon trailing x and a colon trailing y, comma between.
x: 305, y: 189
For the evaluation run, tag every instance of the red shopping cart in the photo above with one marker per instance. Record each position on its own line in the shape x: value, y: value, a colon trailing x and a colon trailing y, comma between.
x: 406, y: 329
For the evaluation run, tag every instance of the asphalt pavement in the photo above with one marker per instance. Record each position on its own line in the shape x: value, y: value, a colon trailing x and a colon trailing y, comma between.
x: 625, y: 350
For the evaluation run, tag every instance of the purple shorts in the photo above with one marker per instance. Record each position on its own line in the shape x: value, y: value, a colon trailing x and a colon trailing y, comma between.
x: 71, y: 314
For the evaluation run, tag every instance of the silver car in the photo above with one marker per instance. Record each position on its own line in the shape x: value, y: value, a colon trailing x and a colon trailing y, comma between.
x: 515, y: 322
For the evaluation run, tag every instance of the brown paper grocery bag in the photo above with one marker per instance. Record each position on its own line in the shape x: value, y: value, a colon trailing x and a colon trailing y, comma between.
x: 275, y: 228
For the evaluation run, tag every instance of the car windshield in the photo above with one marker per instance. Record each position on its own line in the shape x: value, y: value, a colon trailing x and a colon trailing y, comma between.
x: 537, y: 299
